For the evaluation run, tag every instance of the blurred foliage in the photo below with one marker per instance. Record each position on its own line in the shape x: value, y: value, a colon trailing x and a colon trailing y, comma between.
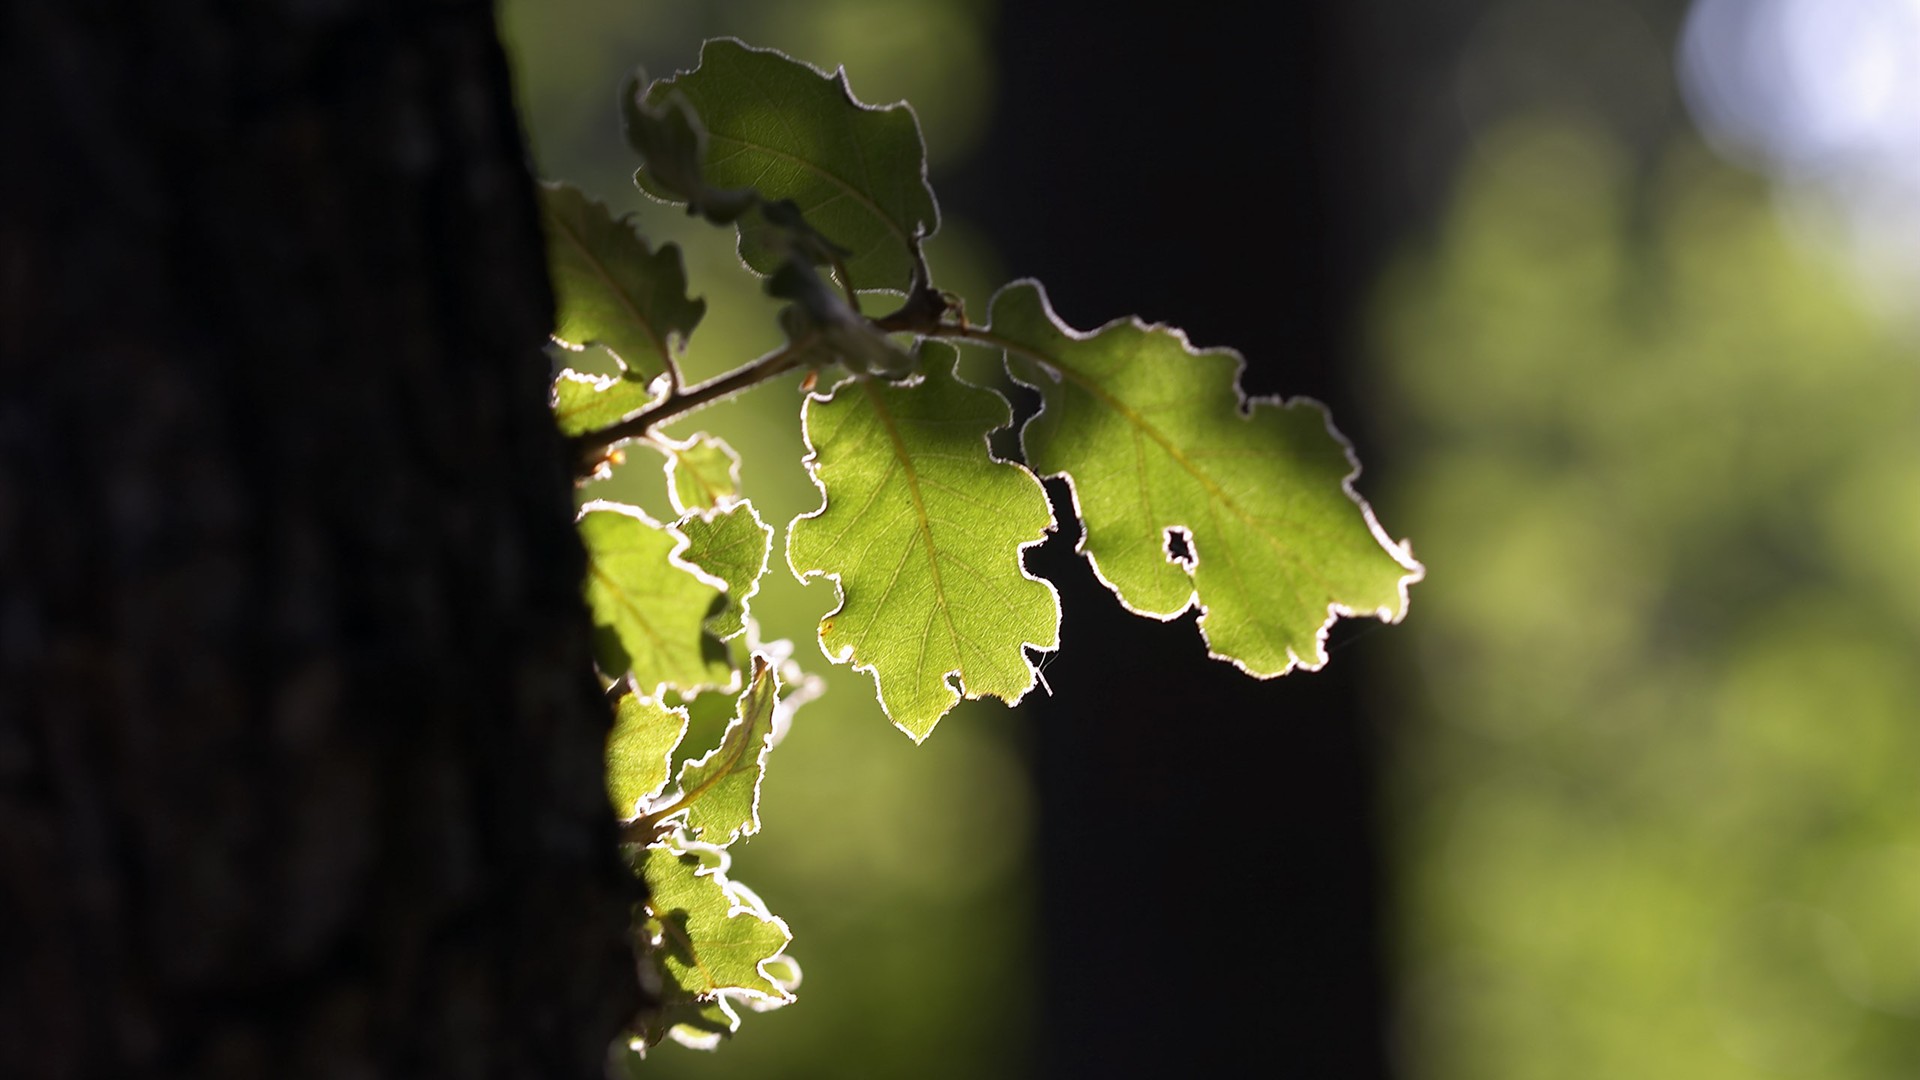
x: 903, y: 872
x: 1656, y: 750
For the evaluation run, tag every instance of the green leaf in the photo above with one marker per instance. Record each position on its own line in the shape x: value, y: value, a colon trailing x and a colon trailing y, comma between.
x: 708, y: 716
x: 923, y: 529
x: 700, y: 1025
x: 722, y: 789
x: 858, y: 173
x: 730, y: 544
x: 695, y: 1024
x: 610, y: 288
x: 583, y: 403
x: 640, y: 751
x: 1157, y: 439
x: 784, y: 970
x: 653, y: 601
x: 708, y: 943
x: 710, y: 713
x: 703, y: 473
x: 672, y: 145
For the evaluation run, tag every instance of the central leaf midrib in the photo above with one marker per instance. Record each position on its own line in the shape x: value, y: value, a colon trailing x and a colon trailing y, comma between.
x: 730, y: 761
x: 1139, y: 422
x: 920, y: 513
x: 859, y: 196
x: 606, y: 278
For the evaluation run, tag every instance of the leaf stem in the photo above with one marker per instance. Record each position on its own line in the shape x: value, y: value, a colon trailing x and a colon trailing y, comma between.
x: 647, y: 826
x: 591, y: 448
x: 846, y: 283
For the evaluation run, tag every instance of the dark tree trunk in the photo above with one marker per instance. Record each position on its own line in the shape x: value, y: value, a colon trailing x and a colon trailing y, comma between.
x: 299, y: 746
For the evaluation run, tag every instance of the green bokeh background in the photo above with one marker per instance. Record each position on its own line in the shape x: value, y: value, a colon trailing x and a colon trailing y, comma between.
x: 1655, y: 788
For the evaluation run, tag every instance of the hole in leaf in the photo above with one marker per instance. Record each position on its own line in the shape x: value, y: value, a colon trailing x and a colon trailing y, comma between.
x: 1179, y: 545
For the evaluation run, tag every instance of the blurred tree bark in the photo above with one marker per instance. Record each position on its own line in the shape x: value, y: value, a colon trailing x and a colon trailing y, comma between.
x: 1209, y: 842
x: 299, y: 746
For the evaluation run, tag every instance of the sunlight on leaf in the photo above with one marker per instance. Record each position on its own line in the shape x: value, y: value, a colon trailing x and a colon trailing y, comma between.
x: 703, y: 472
x: 923, y: 529
x: 610, y: 288
x: 722, y: 788
x: 1192, y: 493
x: 858, y: 173
x: 709, y: 941
x: 640, y: 750
x: 654, y: 602
x: 583, y: 403
x: 730, y: 544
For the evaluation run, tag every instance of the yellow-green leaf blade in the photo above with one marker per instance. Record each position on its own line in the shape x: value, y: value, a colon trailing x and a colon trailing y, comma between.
x: 710, y: 941
x: 703, y: 473
x: 731, y: 544
x: 1156, y: 438
x: 722, y: 788
x: 640, y: 750
x: 857, y: 172
x: 610, y: 287
x: 583, y: 403
x: 653, y: 602
x: 923, y: 530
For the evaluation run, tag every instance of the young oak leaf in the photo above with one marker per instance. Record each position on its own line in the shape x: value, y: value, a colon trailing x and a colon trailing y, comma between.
x: 640, y: 750
x: 856, y: 172
x: 693, y: 1023
x: 709, y: 943
x: 731, y: 544
x: 703, y: 473
x: 672, y: 144
x: 610, y: 288
x: 721, y: 790
x: 710, y: 713
x: 583, y: 403
x: 699, y: 1025
x: 922, y: 528
x: 654, y: 602
x: 1159, y: 445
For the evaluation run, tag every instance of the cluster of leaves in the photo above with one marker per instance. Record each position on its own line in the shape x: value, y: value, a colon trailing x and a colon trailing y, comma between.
x: 1189, y: 492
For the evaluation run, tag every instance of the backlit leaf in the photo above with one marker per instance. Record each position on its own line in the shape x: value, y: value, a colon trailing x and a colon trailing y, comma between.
x: 1165, y: 454
x: 640, y: 750
x: 703, y: 472
x: 710, y: 713
x: 709, y: 942
x: 672, y: 145
x: 611, y: 288
x: 722, y: 788
x: 700, y: 1025
x: 922, y: 529
x: 653, y: 601
x: 857, y: 173
x: 730, y: 544
x: 583, y: 403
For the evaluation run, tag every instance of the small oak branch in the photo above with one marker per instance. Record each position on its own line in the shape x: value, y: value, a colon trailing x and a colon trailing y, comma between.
x: 590, y: 449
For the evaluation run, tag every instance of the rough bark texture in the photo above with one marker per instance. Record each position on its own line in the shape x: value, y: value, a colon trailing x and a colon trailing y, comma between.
x: 299, y: 746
